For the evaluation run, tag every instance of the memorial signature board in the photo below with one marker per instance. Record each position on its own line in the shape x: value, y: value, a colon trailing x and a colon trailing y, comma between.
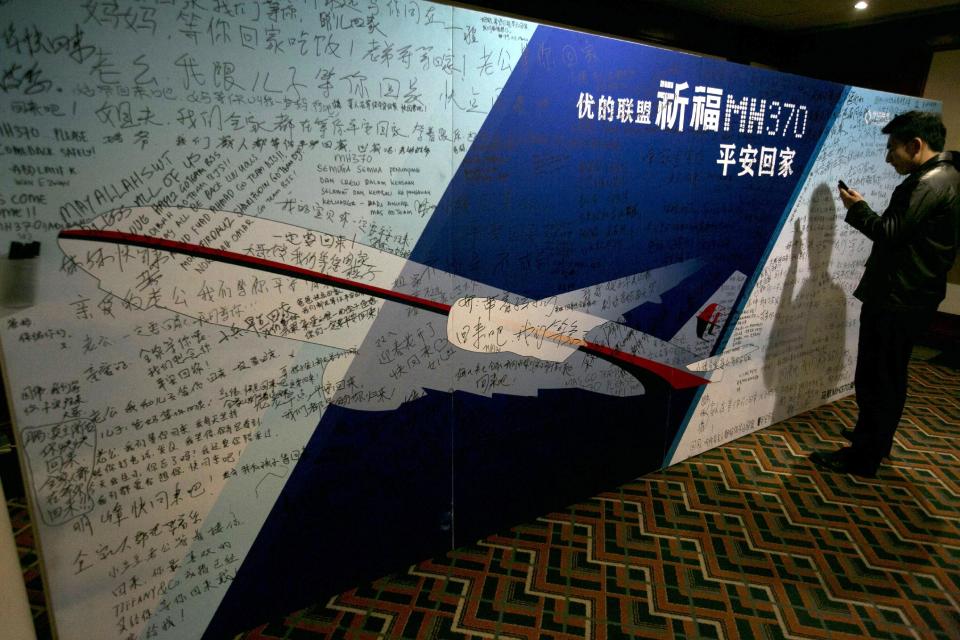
x: 326, y: 288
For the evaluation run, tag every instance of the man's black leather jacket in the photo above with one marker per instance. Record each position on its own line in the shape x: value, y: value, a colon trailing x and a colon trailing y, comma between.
x: 915, y: 240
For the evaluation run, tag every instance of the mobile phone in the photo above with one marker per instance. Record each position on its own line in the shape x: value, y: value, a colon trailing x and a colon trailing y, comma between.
x: 843, y: 185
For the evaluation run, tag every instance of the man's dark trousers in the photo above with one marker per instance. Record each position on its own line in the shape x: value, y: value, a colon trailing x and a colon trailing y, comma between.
x: 886, y: 339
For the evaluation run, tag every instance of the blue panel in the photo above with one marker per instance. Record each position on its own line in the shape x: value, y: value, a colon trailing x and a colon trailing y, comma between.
x: 544, y: 202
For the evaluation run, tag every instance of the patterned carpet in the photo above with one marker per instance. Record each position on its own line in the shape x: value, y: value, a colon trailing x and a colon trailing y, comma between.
x: 748, y: 540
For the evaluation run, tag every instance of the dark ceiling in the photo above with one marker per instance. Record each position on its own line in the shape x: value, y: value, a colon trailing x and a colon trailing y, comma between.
x: 886, y: 47
x: 792, y: 15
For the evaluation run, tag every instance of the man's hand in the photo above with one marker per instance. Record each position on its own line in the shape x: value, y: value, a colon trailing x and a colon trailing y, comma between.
x: 849, y: 197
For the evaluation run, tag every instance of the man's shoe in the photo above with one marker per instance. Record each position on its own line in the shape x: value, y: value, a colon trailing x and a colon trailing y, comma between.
x: 848, y: 435
x: 831, y: 461
x: 841, y: 461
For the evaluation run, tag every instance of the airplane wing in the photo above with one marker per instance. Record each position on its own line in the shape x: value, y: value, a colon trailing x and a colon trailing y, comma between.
x: 612, y: 299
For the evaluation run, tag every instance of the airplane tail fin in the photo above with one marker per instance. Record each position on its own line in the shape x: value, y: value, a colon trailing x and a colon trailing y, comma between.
x: 700, y: 333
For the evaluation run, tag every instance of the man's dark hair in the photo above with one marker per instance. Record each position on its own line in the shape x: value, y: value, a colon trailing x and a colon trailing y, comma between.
x: 918, y: 124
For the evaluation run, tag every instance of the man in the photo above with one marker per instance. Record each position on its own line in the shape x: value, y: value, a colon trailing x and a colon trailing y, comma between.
x: 914, y: 244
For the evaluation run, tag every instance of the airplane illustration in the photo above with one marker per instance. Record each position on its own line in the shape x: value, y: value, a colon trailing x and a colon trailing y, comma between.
x: 404, y: 327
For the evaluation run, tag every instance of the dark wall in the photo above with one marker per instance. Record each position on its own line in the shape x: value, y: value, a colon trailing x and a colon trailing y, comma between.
x: 891, y: 55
